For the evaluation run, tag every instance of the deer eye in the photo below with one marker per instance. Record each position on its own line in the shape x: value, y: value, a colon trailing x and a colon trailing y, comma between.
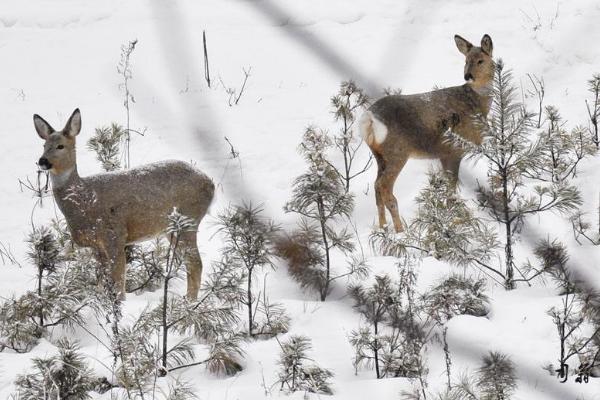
x: 60, y: 147
x: 480, y: 62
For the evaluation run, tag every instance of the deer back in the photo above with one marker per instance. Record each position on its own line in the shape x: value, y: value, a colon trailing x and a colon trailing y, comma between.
x: 416, y: 123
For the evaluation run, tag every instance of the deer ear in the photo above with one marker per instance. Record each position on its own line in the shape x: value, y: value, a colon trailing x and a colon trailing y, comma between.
x: 463, y: 45
x: 487, y: 45
x: 73, y: 125
x: 43, y: 129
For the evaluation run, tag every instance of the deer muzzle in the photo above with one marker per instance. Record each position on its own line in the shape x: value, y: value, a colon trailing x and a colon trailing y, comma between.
x: 44, y: 163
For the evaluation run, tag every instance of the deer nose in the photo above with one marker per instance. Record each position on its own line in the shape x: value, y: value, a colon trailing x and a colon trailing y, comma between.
x: 44, y: 163
x: 468, y: 76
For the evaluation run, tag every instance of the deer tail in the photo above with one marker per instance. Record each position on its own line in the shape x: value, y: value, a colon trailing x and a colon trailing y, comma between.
x: 372, y: 130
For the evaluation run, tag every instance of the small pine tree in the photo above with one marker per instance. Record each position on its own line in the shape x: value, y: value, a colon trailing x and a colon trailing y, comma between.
x: 106, y: 143
x: 44, y: 253
x: 319, y: 197
x: 561, y: 150
x: 346, y: 104
x: 136, y: 357
x: 584, y: 229
x: 446, y: 228
x: 139, y: 359
x: 454, y: 296
x: 146, y: 266
x: 248, y: 238
x: 275, y: 319
x: 511, y: 154
x: 177, y: 226
x: 65, y: 376
x: 578, y: 306
x: 17, y: 330
x: 295, y: 375
x: 211, y: 317
x: 180, y: 390
x: 375, y: 304
x: 62, y: 291
x: 393, y: 339
x: 496, y: 378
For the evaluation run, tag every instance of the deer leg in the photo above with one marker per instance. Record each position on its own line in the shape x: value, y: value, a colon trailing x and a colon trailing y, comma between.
x: 118, y: 271
x: 378, y: 196
x: 111, y: 254
x: 193, y: 264
x: 451, y: 164
x: 385, y: 184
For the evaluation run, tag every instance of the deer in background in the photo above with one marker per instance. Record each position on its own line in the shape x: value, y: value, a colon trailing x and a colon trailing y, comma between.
x: 399, y: 127
x: 111, y: 210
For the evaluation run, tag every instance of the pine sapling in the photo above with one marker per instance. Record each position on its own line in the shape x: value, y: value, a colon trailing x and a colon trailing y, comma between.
x: 346, y: 104
x: 63, y: 376
x: 275, y: 319
x: 374, y: 304
x: 569, y: 318
x: 44, y: 252
x: 106, y: 143
x: 18, y: 332
x: 178, y: 225
x: 446, y: 228
x: 319, y: 197
x: 61, y: 293
x: 561, y: 150
x: 411, y: 321
x: 496, y: 378
x: 136, y: 356
x: 454, y: 296
x: 212, y: 319
x: 146, y: 264
x: 392, y: 341
x: 180, y: 390
x: 248, y: 236
x: 512, y: 155
x: 142, y: 353
x: 584, y: 229
x: 294, y: 373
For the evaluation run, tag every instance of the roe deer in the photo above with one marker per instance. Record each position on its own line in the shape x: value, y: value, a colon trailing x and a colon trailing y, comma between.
x: 111, y: 210
x: 399, y: 127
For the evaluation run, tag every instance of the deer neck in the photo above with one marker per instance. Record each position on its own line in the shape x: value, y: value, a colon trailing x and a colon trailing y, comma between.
x: 65, y: 179
x: 484, y: 91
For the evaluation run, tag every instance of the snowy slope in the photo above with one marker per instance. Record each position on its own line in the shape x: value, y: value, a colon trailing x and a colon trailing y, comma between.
x: 62, y: 54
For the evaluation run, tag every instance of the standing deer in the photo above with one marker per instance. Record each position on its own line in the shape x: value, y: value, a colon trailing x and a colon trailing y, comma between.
x: 111, y: 210
x: 399, y: 127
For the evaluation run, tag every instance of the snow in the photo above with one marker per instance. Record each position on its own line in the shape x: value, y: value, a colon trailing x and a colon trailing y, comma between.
x: 62, y: 54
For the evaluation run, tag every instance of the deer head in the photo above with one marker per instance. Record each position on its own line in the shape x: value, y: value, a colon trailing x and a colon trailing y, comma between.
x: 59, y: 146
x: 479, y: 65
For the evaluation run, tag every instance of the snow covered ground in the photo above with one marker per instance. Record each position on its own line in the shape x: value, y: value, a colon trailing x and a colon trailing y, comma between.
x: 62, y: 54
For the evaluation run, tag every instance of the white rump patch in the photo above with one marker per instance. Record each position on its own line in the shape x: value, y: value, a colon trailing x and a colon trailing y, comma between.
x: 372, y: 130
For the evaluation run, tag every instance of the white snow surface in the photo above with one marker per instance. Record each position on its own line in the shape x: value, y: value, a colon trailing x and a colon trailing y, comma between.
x: 62, y: 54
